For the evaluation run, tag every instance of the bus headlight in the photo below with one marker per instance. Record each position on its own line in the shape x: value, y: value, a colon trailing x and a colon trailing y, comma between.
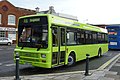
x: 43, y: 55
x: 16, y: 54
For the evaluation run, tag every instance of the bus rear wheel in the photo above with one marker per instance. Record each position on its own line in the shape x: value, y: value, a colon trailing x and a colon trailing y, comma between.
x: 71, y: 60
x: 99, y: 53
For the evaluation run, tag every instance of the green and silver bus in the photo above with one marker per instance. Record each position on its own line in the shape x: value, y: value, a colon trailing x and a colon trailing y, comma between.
x: 46, y: 40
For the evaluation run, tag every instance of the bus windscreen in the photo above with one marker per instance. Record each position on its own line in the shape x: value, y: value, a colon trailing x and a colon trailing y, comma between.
x: 33, y: 32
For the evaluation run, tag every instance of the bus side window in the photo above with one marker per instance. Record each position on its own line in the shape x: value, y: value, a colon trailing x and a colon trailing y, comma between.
x: 99, y: 36
x: 94, y: 37
x: 106, y: 38
x: 54, y: 37
x: 82, y: 37
x: 71, y: 38
x: 78, y: 37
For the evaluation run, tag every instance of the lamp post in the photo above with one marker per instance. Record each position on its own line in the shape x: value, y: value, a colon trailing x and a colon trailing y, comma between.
x: 37, y: 9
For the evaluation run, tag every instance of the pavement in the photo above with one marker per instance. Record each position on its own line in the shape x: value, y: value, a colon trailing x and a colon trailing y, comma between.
x: 104, y: 72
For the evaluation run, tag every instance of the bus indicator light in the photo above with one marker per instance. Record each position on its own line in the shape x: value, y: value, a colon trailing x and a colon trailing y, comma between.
x: 43, y: 55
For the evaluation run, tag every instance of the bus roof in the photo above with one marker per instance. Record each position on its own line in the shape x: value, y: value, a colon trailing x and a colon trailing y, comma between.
x: 68, y: 23
x: 71, y: 23
x: 113, y: 26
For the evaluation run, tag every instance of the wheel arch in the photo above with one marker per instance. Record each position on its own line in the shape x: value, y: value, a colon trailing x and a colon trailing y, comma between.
x: 72, y: 53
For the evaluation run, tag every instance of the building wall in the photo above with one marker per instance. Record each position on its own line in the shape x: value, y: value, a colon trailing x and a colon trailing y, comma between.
x: 6, y: 8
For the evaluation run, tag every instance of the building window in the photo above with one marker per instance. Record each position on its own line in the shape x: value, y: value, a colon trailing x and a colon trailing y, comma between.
x: 11, y: 19
x: 12, y: 35
x: 0, y: 18
x: 2, y: 34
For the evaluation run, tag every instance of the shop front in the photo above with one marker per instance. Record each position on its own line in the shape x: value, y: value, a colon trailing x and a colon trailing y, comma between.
x: 8, y: 32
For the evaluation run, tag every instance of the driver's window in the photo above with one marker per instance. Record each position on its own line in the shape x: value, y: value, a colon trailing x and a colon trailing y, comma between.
x: 26, y: 35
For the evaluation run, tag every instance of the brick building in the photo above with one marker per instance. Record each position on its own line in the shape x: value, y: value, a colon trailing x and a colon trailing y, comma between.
x: 9, y: 15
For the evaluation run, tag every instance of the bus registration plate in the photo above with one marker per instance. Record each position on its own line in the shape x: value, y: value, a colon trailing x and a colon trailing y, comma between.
x: 28, y: 63
x: 113, y: 43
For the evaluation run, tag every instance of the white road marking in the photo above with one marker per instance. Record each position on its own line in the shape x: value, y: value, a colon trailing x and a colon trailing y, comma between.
x: 117, y: 64
x: 112, y: 60
x: 9, y: 64
x: 0, y: 64
x: 10, y: 48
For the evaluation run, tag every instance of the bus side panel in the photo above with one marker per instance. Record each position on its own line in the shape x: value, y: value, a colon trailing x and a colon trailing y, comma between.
x: 81, y: 51
x: 104, y: 48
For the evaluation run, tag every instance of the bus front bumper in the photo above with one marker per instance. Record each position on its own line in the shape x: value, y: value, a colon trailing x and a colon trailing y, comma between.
x: 36, y: 64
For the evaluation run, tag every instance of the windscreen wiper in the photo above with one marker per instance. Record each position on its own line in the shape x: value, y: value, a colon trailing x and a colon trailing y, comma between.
x: 22, y: 46
x: 39, y: 46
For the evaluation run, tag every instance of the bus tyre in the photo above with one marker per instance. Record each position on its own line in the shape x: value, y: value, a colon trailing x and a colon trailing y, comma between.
x: 99, y: 53
x: 71, y: 60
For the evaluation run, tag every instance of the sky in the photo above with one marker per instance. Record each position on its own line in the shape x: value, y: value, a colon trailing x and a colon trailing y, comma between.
x: 87, y: 11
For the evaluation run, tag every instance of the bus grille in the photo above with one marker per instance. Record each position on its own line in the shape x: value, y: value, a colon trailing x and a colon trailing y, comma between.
x: 35, y: 55
x: 28, y: 59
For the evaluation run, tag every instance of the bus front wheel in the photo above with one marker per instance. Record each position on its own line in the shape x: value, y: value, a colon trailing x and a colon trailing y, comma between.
x: 71, y: 60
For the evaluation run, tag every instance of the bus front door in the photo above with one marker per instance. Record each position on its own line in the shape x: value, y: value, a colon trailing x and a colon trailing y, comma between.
x: 59, y: 46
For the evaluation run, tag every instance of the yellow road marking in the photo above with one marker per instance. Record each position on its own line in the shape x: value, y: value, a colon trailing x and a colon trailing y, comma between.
x: 108, y: 62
